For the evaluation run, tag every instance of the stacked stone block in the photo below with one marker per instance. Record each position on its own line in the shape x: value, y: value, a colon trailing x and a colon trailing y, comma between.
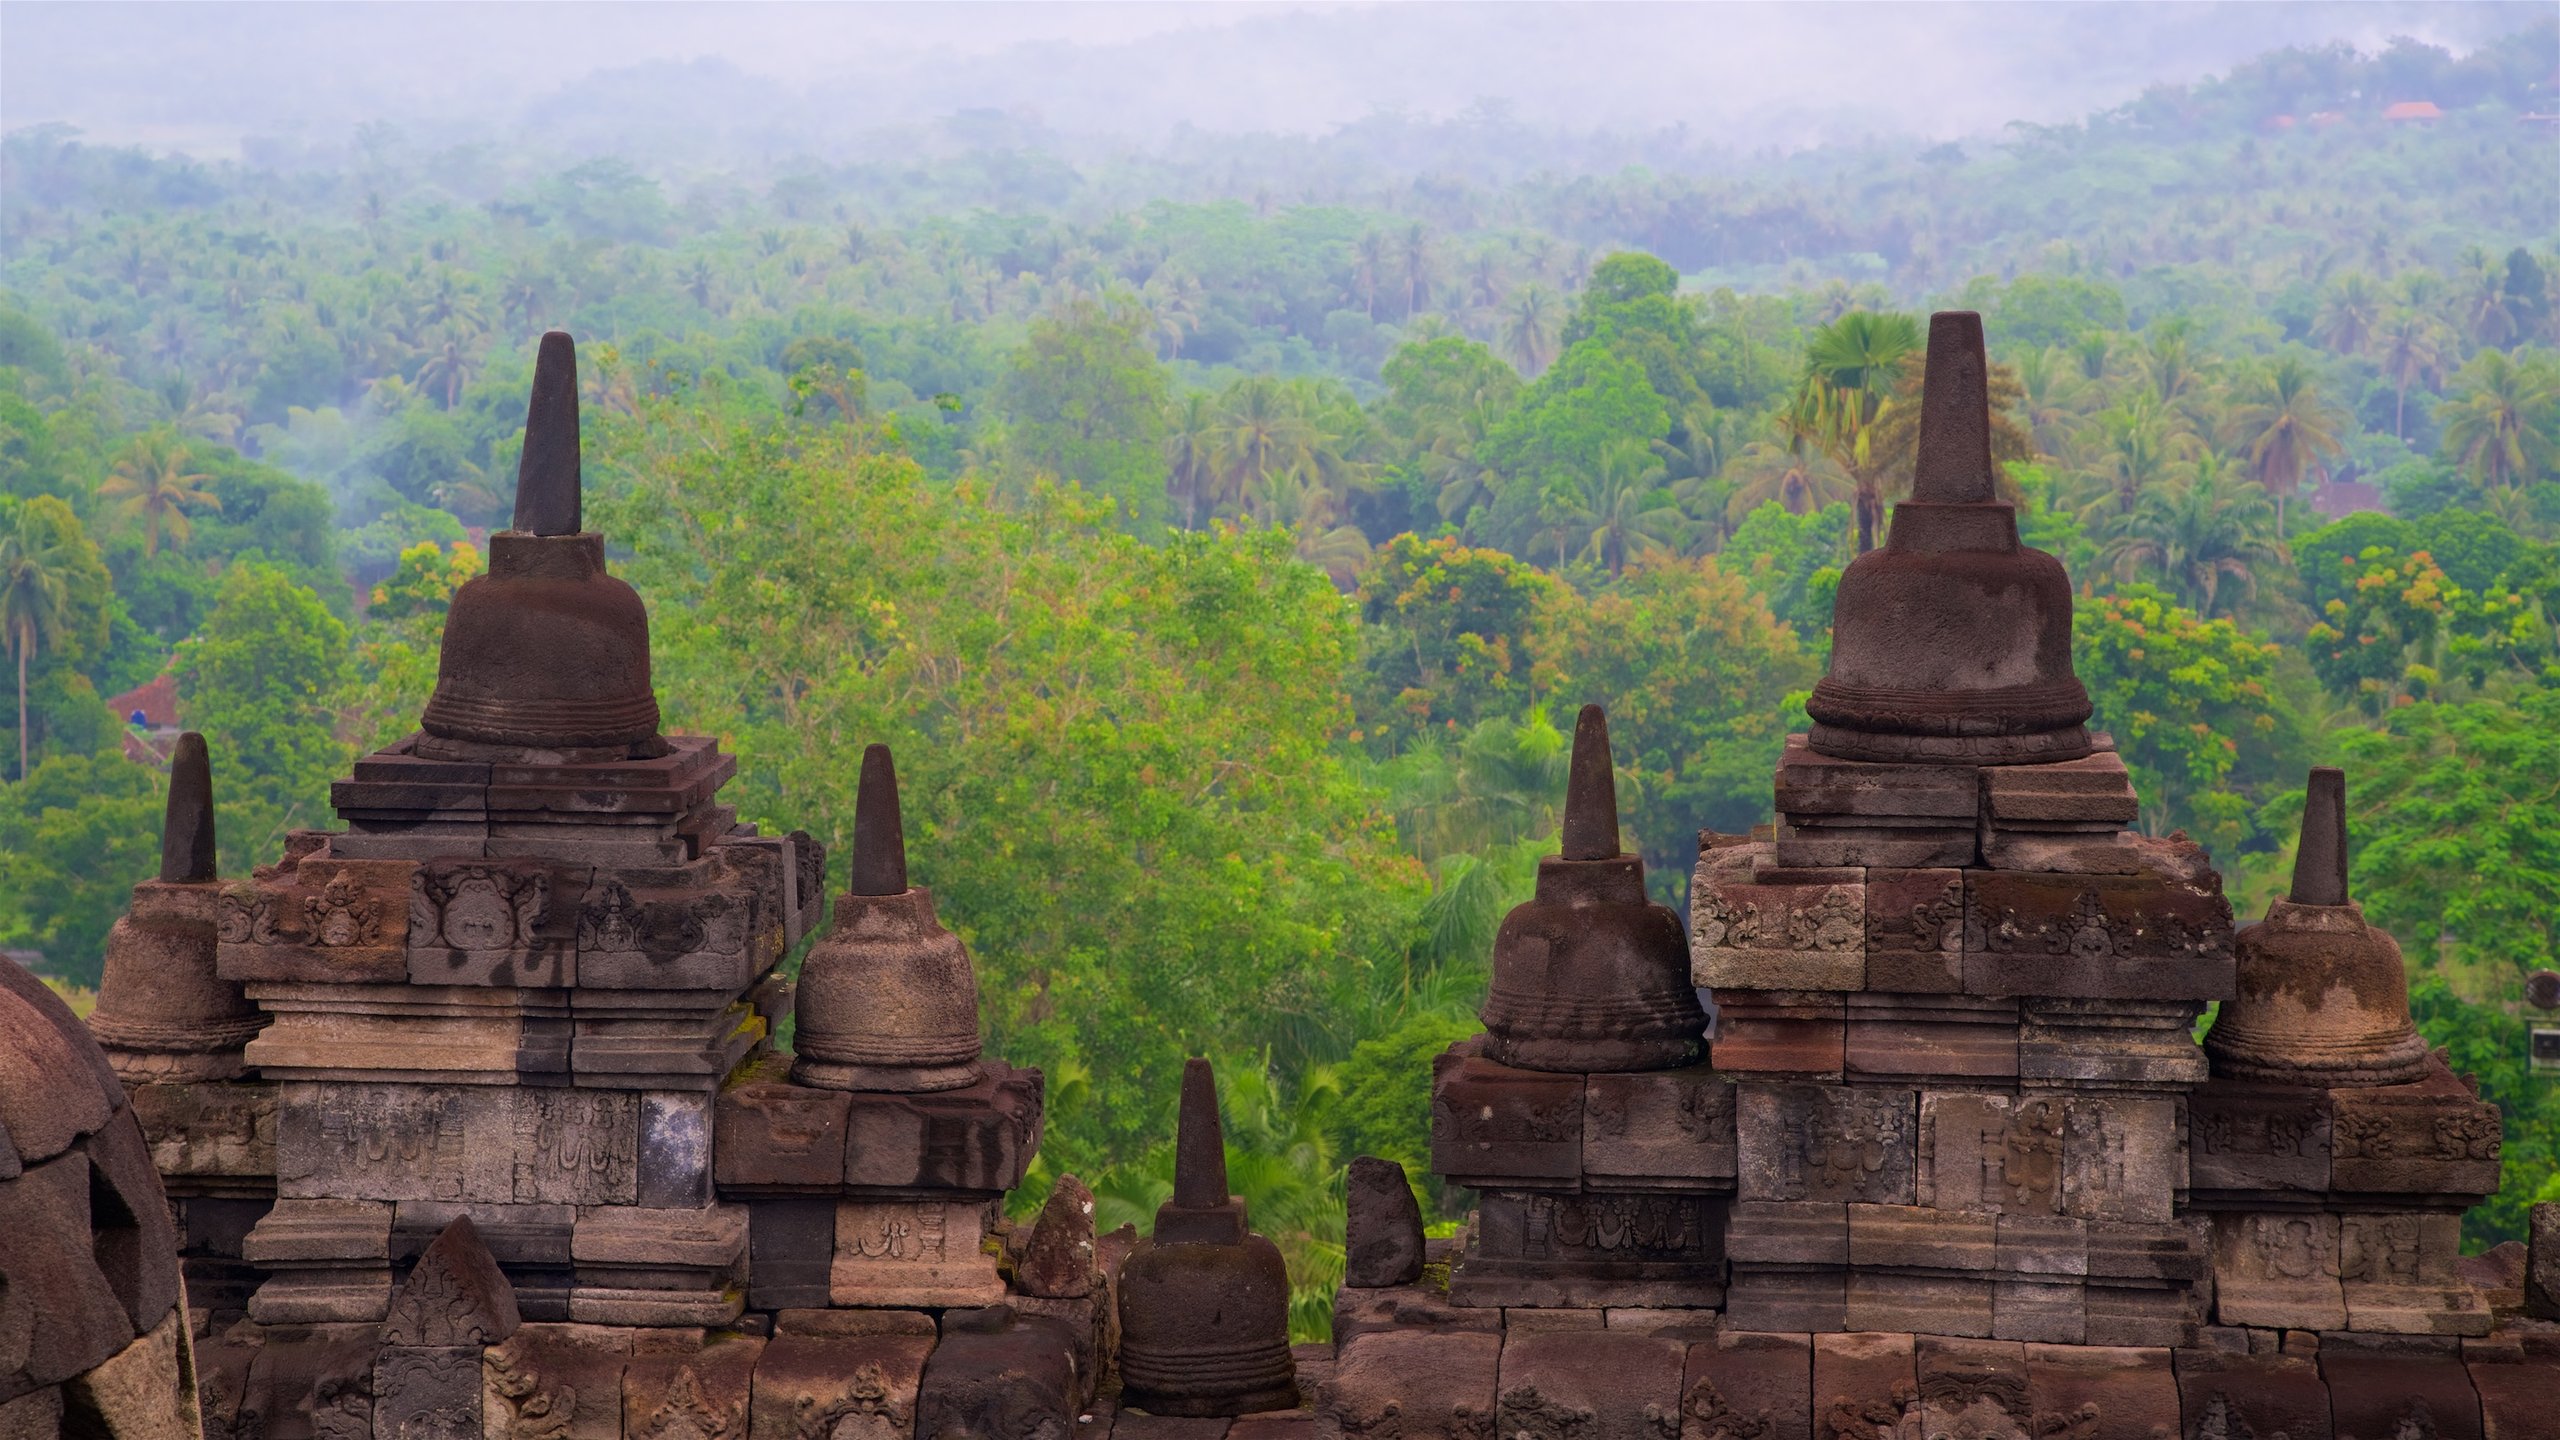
x: 1959, y: 1084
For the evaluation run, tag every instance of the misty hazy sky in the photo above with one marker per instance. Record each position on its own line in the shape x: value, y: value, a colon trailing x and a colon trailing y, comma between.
x: 200, y: 76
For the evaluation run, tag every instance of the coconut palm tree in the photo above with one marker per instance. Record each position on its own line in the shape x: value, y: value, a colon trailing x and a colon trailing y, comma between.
x: 1191, y: 452
x: 2282, y: 430
x: 1262, y: 431
x: 2198, y: 530
x: 2349, y: 314
x: 1852, y: 367
x: 2501, y: 418
x: 153, y: 481
x: 1798, y: 481
x: 1416, y: 255
x: 2410, y: 347
x: 2141, y: 444
x: 1529, y: 328
x: 1369, y: 265
x: 35, y: 594
x: 448, y: 365
x: 1622, y: 503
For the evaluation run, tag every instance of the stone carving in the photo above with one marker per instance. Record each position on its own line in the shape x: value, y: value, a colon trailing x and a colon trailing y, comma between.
x: 1830, y: 923
x: 477, y: 907
x: 342, y: 1406
x: 2378, y: 1249
x: 534, y: 1410
x: 342, y: 914
x: 576, y: 1146
x: 2302, y: 1132
x: 1934, y: 924
x: 864, y: 1412
x: 894, y: 1232
x: 417, y: 1131
x: 1630, y: 1227
x: 1721, y: 924
x: 2030, y: 1156
x: 456, y: 1295
x: 2289, y: 1247
x: 1844, y: 1146
x: 1525, y: 1414
x: 1895, y: 1419
x: 247, y: 916
x: 1709, y: 1416
x: 685, y: 1414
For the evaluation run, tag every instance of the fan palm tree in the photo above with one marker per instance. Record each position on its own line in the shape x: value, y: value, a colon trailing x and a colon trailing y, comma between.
x: 35, y: 594
x: 2198, y: 530
x: 2282, y: 430
x: 1852, y: 366
x: 1529, y: 328
x: 2500, y: 421
x: 153, y: 481
x: 2410, y: 347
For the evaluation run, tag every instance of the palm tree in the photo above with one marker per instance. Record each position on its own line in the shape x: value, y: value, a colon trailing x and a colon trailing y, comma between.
x: 2500, y: 421
x: 1619, y: 501
x: 2283, y: 430
x: 2198, y: 530
x: 1852, y: 366
x: 1417, y: 267
x: 155, y: 485
x: 1369, y: 270
x: 1191, y: 452
x: 2349, y: 315
x: 34, y: 596
x: 449, y: 364
x: 2484, y: 306
x: 1261, y: 432
x: 2410, y: 348
x: 2170, y: 364
x: 2143, y: 444
x: 1529, y: 328
x: 2048, y: 395
x: 1799, y: 482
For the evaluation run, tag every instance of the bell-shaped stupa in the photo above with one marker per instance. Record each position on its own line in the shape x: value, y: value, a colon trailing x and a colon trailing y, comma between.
x: 546, y: 652
x: 1588, y: 975
x: 162, y: 1012
x: 887, y: 998
x: 2323, y: 995
x: 1204, y: 1302
x: 1953, y: 641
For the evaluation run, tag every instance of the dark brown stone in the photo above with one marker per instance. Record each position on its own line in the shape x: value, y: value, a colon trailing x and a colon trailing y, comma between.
x: 1591, y: 1249
x: 1748, y: 1384
x: 1204, y: 1302
x: 1496, y: 1124
x: 545, y: 653
x: 2323, y: 997
x: 705, y: 1393
x: 131, y: 1235
x: 1915, y: 931
x: 429, y: 1393
x: 1590, y: 1384
x: 2102, y: 1392
x: 2542, y: 1262
x: 2385, y: 1396
x: 1416, y: 1385
x: 1827, y: 1143
x: 1862, y: 1384
x: 887, y: 998
x: 313, y: 1385
x: 55, y: 1083
x: 1589, y: 975
x: 1058, y: 1261
x: 456, y: 1295
x: 2432, y: 1138
x: 979, y: 1137
x: 558, y: 1382
x: 828, y: 1386
x: 2144, y: 936
x: 997, y: 1374
x: 1953, y: 641
x: 2257, y: 1140
x: 1406, y: 1307
x: 1779, y: 1034
x: 1659, y: 1130
x: 59, y: 1313
x: 791, y: 1246
x: 1382, y: 1232
x: 2515, y: 1395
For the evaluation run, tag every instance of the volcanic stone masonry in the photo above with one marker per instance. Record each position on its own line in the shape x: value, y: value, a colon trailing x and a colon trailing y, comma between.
x: 471, y: 1122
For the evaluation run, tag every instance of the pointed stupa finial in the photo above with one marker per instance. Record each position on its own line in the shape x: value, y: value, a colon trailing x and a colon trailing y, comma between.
x: 1591, y: 791
x: 1955, y: 414
x: 548, y: 489
x: 2320, y: 861
x: 186, y: 826
x: 879, y: 834
x: 1200, y: 1142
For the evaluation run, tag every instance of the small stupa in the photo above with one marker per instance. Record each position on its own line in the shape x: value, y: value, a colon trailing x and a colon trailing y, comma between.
x: 1204, y: 1302
x: 888, y: 999
x: 1589, y: 975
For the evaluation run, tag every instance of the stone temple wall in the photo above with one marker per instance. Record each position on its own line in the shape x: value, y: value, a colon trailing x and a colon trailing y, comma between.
x: 472, y: 1122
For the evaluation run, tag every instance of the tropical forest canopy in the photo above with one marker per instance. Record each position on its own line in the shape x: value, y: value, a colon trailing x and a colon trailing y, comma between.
x: 1223, y: 533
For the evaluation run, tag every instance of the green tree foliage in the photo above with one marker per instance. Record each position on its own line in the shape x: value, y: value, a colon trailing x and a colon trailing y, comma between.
x: 2457, y: 835
x: 260, y: 682
x: 1084, y: 400
x: 1442, y: 643
x: 1695, y: 673
x: 2488, y: 1042
x: 2186, y: 699
x: 1117, y: 758
x: 75, y: 837
x: 1565, y: 427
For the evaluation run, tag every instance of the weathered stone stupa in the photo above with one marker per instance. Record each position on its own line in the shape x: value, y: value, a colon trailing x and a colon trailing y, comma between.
x: 1955, y: 1164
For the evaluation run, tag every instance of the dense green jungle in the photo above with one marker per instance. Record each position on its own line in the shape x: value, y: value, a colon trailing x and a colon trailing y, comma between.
x: 1222, y: 532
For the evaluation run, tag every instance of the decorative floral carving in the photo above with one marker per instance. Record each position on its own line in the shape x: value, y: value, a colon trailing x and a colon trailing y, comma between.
x: 533, y: 1410
x: 246, y: 915
x: 864, y: 1412
x: 1722, y: 924
x: 683, y: 1413
x: 1829, y: 924
x: 482, y: 907
x: 1717, y: 1419
x: 343, y: 914
x: 1528, y: 1415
